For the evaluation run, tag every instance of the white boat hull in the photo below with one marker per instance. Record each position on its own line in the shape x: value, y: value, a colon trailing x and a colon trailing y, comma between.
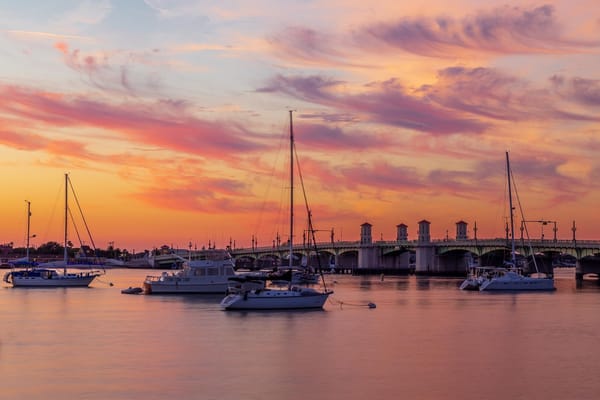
x: 470, y: 284
x: 519, y: 283
x: 68, y: 281
x: 275, y: 300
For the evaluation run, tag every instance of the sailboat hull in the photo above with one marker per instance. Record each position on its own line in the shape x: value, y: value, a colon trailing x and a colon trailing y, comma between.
x: 49, y: 278
x: 275, y: 300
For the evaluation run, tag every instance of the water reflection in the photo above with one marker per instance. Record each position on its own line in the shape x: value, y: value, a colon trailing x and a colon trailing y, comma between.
x: 425, y: 340
x: 365, y: 283
x: 423, y: 283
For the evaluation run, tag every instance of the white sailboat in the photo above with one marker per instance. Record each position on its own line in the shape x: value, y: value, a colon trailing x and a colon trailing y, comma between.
x: 291, y: 297
x: 37, y: 276
x: 511, y: 278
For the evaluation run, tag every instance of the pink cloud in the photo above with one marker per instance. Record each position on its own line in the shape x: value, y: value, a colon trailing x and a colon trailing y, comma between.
x: 112, y: 72
x: 385, y: 102
x: 309, y: 46
x: 164, y: 123
x: 493, y: 94
x: 462, y: 100
x: 199, y: 194
x: 581, y: 90
x: 503, y: 30
x: 508, y: 30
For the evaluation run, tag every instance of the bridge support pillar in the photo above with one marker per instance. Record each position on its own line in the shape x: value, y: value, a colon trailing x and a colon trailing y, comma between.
x: 368, y: 257
x: 425, y: 262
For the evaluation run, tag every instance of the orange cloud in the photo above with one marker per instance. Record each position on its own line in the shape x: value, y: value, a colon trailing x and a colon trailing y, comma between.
x: 62, y: 47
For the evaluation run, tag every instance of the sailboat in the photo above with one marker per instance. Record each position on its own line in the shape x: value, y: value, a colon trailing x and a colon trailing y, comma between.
x: 291, y: 297
x: 512, y: 277
x: 38, y: 276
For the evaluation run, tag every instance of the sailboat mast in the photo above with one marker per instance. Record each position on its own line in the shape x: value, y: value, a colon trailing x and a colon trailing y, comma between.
x: 291, y: 189
x: 66, y: 257
x: 28, y: 228
x: 512, y: 221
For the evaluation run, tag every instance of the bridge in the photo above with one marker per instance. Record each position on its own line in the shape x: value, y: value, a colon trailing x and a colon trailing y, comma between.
x: 425, y: 256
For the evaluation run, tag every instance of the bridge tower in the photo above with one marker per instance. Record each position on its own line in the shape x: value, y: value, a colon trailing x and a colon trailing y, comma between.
x: 424, y: 231
x: 425, y: 250
x: 461, y: 230
x: 367, y: 252
x: 401, y: 233
x: 365, y: 233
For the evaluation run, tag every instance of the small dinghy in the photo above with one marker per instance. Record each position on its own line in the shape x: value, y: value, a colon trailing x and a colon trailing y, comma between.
x: 132, y: 290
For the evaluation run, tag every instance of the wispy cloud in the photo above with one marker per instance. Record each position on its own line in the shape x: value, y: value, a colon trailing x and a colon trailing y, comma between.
x: 114, y: 72
x: 581, y: 90
x: 385, y: 102
x: 162, y: 123
x: 500, y: 31
x: 462, y: 100
x: 45, y: 35
x: 310, y: 47
x: 506, y: 30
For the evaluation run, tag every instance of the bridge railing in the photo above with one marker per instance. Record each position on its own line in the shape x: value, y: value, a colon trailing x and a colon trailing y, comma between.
x: 535, y: 243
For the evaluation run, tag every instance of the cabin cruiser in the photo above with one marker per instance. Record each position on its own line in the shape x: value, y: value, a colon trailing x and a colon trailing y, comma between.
x: 209, y: 272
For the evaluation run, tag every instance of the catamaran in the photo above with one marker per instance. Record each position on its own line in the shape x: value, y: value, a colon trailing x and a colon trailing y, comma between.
x: 511, y: 277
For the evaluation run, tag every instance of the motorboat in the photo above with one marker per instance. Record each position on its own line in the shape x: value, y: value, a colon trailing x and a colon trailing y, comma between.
x: 132, y: 290
x: 209, y: 272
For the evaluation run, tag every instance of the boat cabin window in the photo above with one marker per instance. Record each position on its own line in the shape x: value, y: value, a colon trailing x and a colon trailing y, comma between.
x: 199, y: 272
x: 213, y: 271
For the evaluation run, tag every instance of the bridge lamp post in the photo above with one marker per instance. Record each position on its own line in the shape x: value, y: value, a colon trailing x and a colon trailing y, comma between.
x: 542, y: 223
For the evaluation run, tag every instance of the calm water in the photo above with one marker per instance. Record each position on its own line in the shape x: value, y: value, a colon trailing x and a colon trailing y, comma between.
x: 425, y: 340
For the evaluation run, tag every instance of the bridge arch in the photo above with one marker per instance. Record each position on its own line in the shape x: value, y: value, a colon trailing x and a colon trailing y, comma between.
x: 347, y: 259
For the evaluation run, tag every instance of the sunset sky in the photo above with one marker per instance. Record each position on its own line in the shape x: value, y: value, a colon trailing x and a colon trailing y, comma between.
x: 171, y: 117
